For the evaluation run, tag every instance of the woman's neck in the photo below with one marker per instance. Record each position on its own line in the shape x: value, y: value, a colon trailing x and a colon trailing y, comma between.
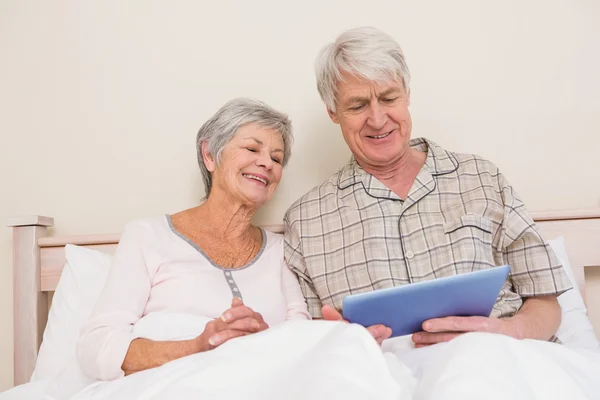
x: 226, y: 217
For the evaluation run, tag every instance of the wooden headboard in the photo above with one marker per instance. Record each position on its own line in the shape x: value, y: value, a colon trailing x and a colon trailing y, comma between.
x: 38, y: 260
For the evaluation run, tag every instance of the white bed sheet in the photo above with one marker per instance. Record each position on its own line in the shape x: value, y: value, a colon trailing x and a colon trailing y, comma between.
x: 29, y: 391
x: 324, y: 360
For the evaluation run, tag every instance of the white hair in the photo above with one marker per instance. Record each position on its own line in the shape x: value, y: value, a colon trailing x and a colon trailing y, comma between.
x: 365, y: 52
x: 223, y: 126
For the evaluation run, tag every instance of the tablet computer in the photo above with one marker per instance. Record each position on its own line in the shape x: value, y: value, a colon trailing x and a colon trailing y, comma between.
x: 405, y: 308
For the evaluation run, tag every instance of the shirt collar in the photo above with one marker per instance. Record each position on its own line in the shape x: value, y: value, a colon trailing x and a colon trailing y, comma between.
x: 438, y: 162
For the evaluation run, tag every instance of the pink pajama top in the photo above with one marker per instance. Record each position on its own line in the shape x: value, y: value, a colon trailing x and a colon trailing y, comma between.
x: 156, y: 269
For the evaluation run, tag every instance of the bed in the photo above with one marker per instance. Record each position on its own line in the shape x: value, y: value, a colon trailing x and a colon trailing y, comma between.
x: 39, y: 258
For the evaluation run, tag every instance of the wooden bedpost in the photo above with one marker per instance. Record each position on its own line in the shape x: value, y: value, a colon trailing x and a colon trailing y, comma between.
x: 30, y: 305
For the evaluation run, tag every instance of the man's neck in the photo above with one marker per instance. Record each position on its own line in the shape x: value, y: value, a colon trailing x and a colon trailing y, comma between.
x: 400, y: 175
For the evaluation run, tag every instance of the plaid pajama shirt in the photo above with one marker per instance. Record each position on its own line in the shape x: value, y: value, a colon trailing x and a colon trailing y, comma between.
x: 352, y: 234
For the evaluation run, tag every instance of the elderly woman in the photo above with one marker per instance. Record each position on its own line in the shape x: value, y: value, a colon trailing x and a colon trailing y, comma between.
x: 207, y: 261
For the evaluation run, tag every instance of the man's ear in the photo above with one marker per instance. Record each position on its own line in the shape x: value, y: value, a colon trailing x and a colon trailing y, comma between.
x: 209, y: 160
x: 333, y: 116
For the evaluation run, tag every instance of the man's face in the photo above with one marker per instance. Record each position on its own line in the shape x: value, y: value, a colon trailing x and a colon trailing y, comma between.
x: 374, y: 119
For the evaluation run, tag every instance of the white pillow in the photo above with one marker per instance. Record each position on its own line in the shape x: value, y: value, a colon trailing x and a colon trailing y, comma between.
x: 575, y: 329
x: 78, y: 289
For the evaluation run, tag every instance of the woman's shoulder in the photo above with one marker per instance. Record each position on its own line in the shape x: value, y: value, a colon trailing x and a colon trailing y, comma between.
x: 272, y: 236
x: 273, y: 242
x: 147, y: 225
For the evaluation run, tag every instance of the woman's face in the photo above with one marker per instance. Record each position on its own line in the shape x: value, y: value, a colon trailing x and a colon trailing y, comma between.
x: 251, y: 165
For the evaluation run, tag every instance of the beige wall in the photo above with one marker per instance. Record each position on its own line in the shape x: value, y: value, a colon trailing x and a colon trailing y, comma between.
x: 100, y: 101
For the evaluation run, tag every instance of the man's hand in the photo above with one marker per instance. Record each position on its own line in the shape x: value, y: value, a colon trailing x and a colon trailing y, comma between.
x: 379, y: 332
x: 445, y: 329
x: 538, y: 319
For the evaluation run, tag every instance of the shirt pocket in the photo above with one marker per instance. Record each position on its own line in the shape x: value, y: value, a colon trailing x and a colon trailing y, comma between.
x: 470, y: 239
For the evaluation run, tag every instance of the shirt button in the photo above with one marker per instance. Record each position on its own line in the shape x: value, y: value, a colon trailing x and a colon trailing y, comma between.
x: 228, y: 273
x: 235, y: 289
x: 231, y: 281
x: 410, y: 254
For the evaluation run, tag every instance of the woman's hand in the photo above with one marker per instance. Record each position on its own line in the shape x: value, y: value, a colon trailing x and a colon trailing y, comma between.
x: 237, y: 321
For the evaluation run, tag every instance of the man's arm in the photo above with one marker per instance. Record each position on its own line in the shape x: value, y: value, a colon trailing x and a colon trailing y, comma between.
x: 294, y: 259
x: 536, y: 275
x: 538, y: 318
x: 296, y: 262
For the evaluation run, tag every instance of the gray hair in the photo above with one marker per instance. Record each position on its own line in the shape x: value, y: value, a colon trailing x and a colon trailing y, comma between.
x: 235, y: 114
x: 365, y: 52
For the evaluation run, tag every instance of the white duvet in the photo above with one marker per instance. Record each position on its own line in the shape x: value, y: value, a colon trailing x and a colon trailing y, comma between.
x: 331, y: 360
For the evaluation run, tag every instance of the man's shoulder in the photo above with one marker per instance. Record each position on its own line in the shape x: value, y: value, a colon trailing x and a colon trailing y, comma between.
x: 444, y: 161
x: 469, y: 163
x: 326, y: 191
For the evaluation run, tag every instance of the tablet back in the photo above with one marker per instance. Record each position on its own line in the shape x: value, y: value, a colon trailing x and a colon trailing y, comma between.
x: 405, y: 308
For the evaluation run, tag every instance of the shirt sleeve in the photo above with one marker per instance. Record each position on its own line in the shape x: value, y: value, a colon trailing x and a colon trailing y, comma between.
x: 296, y: 304
x: 535, y: 269
x: 106, y: 336
x: 296, y: 263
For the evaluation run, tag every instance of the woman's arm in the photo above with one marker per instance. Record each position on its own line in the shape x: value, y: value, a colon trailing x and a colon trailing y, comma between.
x: 239, y: 320
x: 296, y: 304
x: 106, y: 336
x: 144, y: 354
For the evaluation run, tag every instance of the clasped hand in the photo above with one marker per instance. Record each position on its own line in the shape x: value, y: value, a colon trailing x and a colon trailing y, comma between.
x: 239, y: 320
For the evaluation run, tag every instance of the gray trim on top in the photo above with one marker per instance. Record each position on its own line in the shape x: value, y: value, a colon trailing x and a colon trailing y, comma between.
x: 195, y: 246
x: 235, y: 290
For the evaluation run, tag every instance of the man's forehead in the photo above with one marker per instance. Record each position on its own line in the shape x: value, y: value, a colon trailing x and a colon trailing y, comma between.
x: 352, y: 86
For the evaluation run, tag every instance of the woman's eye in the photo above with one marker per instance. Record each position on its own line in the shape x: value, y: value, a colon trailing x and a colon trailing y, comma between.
x: 251, y: 149
x: 276, y: 160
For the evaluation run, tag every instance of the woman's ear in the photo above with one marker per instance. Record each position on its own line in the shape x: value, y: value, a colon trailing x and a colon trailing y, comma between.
x: 209, y: 160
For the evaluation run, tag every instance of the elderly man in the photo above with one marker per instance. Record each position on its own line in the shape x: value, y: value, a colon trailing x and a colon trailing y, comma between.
x: 406, y: 210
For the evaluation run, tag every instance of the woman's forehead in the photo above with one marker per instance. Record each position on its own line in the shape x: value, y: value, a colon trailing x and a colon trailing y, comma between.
x: 261, y: 135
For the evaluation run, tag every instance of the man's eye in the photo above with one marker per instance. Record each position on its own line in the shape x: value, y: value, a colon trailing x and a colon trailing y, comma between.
x: 390, y: 100
x: 276, y: 160
x: 251, y: 149
x: 356, y: 108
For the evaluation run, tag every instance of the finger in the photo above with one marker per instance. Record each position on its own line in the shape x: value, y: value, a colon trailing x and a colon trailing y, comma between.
x: 247, y: 324
x: 258, y: 316
x: 428, y: 338
x: 457, y: 324
x: 236, y: 302
x: 263, y: 324
x: 236, y: 313
x: 223, y: 336
x: 331, y: 314
x: 216, y: 325
x: 380, y: 332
